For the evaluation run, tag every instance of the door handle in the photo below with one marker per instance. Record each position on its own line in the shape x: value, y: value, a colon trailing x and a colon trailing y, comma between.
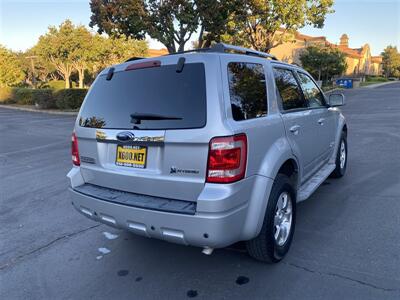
x: 321, y: 121
x: 295, y: 129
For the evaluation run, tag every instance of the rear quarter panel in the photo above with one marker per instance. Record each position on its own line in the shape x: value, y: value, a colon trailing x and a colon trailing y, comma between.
x: 268, y: 147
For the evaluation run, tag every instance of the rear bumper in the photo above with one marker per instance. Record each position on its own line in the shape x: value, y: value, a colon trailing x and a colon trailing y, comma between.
x: 216, y: 229
x: 220, y: 230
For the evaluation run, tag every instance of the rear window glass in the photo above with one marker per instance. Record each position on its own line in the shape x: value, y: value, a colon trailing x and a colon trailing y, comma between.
x: 247, y: 90
x: 175, y: 100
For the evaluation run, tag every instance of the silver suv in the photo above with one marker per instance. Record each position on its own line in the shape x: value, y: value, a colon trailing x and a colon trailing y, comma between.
x: 206, y: 148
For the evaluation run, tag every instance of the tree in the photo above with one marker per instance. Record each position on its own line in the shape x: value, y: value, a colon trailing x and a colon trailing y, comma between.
x: 67, y: 47
x: 324, y: 61
x: 265, y: 24
x: 112, y: 51
x: 83, y: 54
x: 123, y: 17
x: 215, y: 20
x: 172, y: 22
x: 56, y: 46
x: 10, y: 69
x: 391, y: 61
x: 35, y: 68
x: 72, y: 48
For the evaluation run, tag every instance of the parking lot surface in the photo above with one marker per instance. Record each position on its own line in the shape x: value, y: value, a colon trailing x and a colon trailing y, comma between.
x: 346, y: 244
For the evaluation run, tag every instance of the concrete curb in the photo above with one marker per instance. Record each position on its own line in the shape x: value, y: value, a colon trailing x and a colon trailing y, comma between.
x: 51, y: 112
x: 372, y: 86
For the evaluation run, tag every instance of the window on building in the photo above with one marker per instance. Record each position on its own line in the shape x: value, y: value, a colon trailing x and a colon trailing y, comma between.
x: 289, y: 90
x: 311, y: 92
x: 247, y: 89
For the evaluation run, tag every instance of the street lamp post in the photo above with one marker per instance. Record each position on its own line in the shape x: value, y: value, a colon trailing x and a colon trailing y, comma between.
x: 32, y: 57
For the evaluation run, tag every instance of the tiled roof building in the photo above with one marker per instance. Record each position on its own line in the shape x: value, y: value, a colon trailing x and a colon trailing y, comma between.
x: 157, y: 52
x: 359, y: 60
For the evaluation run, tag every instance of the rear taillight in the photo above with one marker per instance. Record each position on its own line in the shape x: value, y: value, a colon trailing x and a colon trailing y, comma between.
x: 227, y: 159
x: 74, y: 151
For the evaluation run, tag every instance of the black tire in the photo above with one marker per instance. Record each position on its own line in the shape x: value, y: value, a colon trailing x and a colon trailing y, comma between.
x: 264, y: 246
x: 339, y: 170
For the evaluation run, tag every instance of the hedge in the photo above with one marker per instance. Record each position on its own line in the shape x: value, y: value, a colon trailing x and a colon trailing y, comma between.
x: 23, y: 96
x: 70, y: 98
x: 375, y: 78
x: 6, y: 94
x: 44, y: 98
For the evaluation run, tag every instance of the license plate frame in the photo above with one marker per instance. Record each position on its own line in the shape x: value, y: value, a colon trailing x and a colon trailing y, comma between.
x: 126, y: 162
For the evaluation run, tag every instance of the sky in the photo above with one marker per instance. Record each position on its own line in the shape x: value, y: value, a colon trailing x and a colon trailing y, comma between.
x: 376, y: 22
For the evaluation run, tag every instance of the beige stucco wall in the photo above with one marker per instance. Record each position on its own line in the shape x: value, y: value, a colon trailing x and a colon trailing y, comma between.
x: 352, y: 65
x: 375, y: 68
x: 290, y: 52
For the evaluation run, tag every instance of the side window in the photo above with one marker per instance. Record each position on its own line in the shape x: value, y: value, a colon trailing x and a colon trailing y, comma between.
x: 288, y: 89
x: 247, y: 90
x: 311, y: 92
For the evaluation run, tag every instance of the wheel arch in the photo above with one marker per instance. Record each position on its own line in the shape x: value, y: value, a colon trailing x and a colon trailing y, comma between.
x: 341, y: 128
x: 278, y: 160
x: 344, y: 129
x: 290, y: 168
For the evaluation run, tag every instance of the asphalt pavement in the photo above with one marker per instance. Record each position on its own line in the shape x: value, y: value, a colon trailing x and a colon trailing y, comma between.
x: 346, y: 244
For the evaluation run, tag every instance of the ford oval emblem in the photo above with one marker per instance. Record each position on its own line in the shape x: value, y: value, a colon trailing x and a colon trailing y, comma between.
x: 125, y: 136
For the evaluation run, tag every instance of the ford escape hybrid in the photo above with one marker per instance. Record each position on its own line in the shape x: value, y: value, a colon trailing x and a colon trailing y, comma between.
x: 206, y: 148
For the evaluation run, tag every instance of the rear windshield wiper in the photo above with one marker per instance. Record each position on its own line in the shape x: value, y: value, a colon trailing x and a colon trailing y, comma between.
x: 136, y: 118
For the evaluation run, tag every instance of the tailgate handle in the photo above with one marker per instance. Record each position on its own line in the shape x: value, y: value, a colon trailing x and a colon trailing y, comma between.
x: 295, y: 129
x: 130, y: 138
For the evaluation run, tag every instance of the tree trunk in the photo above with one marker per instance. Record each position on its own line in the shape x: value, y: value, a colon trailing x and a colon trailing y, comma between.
x: 181, y: 47
x: 200, y: 39
x: 67, y: 83
x: 81, y: 74
x: 171, y: 48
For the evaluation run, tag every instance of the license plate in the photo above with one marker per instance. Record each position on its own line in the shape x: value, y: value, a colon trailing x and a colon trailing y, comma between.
x: 131, y: 156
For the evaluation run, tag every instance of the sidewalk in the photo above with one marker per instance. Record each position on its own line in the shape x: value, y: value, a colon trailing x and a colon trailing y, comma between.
x: 46, y: 111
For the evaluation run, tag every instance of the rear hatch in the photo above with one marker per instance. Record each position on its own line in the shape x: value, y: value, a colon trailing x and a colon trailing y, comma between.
x: 141, y: 129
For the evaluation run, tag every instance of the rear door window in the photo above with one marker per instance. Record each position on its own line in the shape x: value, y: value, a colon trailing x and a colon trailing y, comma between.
x: 311, y: 92
x: 248, y: 93
x: 176, y: 100
x: 289, y: 90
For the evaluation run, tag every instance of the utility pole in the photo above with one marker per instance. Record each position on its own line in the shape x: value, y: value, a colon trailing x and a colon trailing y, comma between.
x: 33, y: 69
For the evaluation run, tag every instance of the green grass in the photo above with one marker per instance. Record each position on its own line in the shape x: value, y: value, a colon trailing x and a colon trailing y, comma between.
x: 366, y: 83
x: 327, y: 88
x: 375, y: 79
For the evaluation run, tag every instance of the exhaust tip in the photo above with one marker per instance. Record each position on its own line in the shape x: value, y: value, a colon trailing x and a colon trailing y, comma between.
x: 207, y: 250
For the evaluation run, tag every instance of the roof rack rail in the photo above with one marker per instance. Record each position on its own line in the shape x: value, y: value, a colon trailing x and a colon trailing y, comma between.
x: 190, y: 51
x: 222, y: 47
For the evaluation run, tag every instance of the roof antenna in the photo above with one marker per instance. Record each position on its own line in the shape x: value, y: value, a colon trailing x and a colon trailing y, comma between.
x: 110, y: 74
x: 180, y: 64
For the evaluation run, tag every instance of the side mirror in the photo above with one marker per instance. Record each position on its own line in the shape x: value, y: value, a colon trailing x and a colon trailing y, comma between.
x: 336, y: 100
